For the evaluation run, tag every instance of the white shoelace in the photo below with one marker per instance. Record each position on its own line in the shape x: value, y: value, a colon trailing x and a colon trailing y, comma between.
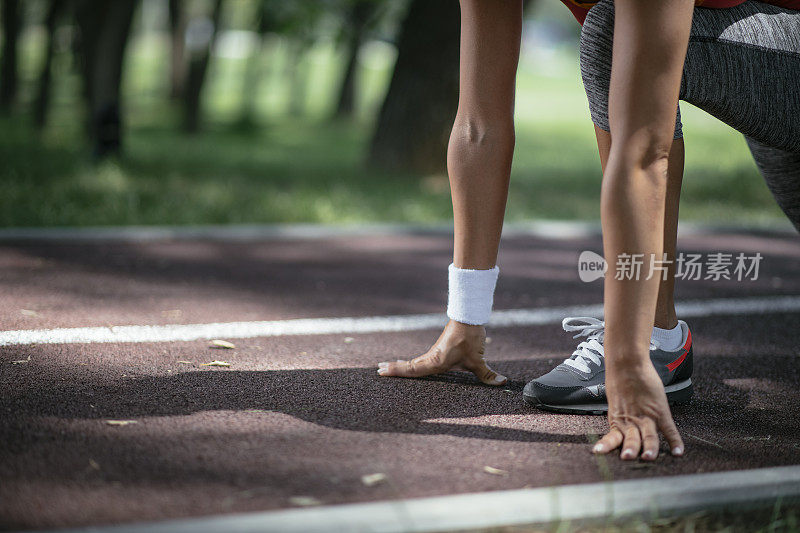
x: 590, y: 350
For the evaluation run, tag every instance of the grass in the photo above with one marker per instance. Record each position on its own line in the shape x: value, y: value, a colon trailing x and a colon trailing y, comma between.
x: 310, y: 169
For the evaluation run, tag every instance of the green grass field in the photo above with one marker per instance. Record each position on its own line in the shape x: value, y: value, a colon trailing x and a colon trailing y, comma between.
x: 310, y: 169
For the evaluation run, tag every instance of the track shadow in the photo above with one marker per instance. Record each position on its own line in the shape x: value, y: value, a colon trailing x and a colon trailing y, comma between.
x: 736, y: 397
x: 351, y: 399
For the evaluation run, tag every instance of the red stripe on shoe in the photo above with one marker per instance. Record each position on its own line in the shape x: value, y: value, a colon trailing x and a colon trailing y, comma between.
x: 677, y: 362
x: 686, y: 347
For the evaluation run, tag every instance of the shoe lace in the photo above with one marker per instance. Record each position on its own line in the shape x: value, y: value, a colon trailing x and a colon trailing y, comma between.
x: 591, y: 350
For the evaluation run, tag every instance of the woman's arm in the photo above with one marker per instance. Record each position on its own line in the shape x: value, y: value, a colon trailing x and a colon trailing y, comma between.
x: 482, y: 141
x: 650, y: 43
x: 479, y: 165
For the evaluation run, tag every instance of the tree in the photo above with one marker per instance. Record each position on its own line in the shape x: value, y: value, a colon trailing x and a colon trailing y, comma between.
x: 8, y: 63
x: 104, y: 30
x: 265, y: 22
x: 201, y: 36
x: 299, y: 23
x: 42, y: 103
x: 417, y: 114
x: 359, y: 14
x: 177, y: 32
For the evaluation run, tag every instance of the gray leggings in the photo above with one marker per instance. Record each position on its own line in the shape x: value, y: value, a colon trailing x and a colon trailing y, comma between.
x: 742, y: 66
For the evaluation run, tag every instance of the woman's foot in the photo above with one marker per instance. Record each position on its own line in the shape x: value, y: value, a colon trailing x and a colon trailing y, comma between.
x: 460, y: 346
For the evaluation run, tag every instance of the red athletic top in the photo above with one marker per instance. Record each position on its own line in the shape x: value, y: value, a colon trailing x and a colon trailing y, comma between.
x: 580, y: 8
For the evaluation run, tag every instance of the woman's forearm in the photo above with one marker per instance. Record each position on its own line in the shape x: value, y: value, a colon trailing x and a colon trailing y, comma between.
x: 482, y: 141
x: 479, y: 165
x: 650, y: 41
x: 632, y: 213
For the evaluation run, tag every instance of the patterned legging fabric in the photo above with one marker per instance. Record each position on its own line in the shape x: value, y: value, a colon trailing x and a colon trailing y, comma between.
x: 742, y: 66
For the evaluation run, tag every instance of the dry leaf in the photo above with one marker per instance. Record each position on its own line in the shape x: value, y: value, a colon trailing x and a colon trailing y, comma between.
x: 348, y: 339
x: 120, y: 422
x: 304, y: 501
x: 93, y: 464
x: 217, y: 363
x: 185, y: 362
x: 219, y: 343
x: 28, y: 312
x: 21, y: 361
x: 373, y: 479
x: 172, y: 313
x: 495, y: 471
x: 488, y: 340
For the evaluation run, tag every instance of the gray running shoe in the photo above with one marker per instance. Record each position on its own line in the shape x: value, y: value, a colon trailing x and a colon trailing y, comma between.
x: 578, y: 384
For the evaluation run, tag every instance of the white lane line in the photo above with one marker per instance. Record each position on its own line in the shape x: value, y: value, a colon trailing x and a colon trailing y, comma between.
x: 644, y: 497
x: 369, y: 324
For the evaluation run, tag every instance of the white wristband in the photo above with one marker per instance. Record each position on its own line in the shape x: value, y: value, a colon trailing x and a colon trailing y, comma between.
x: 470, y: 294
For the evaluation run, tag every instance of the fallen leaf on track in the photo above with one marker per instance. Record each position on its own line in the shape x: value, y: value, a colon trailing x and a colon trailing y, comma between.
x: 495, y: 471
x: 121, y: 422
x: 185, y: 362
x: 304, y: 501
x: 93, y: 464
x: 348, y: 339
x: 28, y: 312
x: 373, y: 479
x: 21, y: 361
x: 217, y: 363
x: 219, y: 343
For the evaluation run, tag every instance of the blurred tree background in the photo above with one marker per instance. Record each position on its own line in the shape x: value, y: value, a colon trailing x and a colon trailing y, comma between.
x: 248, y: 111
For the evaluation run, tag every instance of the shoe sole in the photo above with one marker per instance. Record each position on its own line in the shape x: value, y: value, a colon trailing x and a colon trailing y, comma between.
x: 677, y: 393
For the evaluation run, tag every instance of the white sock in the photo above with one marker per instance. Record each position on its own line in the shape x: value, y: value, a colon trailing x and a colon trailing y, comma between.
x: 668, y: 339
x: 470, y: 294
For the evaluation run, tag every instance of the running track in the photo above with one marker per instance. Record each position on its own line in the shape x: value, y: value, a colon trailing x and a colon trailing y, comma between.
x: 299, y: 417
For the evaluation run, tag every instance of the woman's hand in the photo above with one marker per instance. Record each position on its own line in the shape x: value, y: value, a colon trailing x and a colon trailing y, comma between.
x: 637, y: 411
x: 460, y: 346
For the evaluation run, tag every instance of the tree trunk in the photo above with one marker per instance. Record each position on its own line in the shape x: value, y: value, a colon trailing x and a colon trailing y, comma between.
x: 356, y: 23
x: 298, y: 77
x: 177, y: 31
x: 417, y: 115
x: 8, y: 62
x: 254, y: 70
x: 347, y: 91
x: 199, y: 57
x: 42, y: 103
x: 105, y: 28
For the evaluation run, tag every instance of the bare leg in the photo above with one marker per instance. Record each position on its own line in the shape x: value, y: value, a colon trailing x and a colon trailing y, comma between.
x: 479, y: 165
x: 666, y: 317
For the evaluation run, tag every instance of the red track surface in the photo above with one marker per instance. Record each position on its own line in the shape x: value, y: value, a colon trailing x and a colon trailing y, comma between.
x: 308, y: 415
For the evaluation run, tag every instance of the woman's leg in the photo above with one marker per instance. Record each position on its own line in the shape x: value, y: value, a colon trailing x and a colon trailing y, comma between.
x: 479, y: 165
x: 743, y: 66
x: 781, y: 171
